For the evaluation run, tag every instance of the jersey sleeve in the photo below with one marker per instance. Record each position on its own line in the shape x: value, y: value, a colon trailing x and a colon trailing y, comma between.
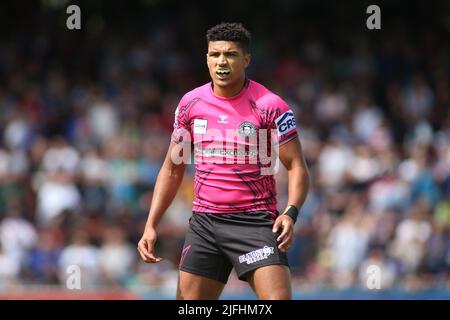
x: 181, y: 124
x: 283, y: 123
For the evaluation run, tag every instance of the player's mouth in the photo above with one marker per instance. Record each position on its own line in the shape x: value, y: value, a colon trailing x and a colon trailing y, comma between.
x: 223, y: 73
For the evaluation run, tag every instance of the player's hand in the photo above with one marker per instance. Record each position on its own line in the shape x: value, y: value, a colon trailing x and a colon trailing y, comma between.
x: 286, y: 237
x: 146, y: 246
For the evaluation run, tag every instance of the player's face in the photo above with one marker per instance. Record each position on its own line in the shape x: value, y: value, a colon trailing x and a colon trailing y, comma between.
x: 227, y: 63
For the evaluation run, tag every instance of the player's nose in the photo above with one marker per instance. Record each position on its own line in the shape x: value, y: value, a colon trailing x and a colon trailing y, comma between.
x: 222, y: 60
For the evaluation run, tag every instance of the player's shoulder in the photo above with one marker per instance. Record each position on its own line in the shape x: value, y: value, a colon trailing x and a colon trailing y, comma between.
x: 196, y: 93
x: 264, y: 97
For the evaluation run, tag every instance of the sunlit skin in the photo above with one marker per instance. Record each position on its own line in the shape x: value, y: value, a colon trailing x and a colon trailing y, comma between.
x: 227, y: 56
x: 227, y: 63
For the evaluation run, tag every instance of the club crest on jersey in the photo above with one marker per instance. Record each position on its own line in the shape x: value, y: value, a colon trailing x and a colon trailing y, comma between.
x: 247, y: 129
x: 285, y: 123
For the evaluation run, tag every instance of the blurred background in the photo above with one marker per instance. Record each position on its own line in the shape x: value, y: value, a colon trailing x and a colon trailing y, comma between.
x: 86, y: 118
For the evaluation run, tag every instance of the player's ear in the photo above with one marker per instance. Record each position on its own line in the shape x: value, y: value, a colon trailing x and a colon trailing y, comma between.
x: 248, y: 58
x: 207, y: 64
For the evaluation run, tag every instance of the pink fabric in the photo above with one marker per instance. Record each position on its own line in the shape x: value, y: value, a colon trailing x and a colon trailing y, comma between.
x: 226, y: 132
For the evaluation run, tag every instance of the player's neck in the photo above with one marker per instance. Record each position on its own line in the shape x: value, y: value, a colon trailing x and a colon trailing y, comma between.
x: 229, y: 91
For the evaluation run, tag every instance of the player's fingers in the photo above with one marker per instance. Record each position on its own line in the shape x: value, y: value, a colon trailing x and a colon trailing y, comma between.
x: 143, y: 256
x: 286, y: 231
x: 145, y: 248
x: 148, y: 256
x: 284, y: 246
x: 153, y: 258
x: 142, y: 248
x: 276, y: 225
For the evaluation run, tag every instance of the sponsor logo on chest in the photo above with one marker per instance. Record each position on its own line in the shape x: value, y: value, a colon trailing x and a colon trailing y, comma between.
x: 200, y: 126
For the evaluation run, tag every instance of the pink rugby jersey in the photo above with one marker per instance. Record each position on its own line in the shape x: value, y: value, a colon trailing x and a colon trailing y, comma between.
x: 231, y: 143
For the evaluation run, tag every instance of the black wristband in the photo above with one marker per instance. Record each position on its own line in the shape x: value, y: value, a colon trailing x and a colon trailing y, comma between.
x: 292, y: 212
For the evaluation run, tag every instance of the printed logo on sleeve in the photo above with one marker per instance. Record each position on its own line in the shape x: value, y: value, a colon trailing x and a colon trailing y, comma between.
x: 200, y: 126
x: 285, y: 123
x: 175, y: 123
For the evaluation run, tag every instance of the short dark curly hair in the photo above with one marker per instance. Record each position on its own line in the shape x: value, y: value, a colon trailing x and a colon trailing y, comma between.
x: 230, y: 31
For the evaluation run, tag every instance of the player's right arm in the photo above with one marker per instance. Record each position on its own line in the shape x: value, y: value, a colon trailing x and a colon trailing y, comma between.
x: 166, y: 187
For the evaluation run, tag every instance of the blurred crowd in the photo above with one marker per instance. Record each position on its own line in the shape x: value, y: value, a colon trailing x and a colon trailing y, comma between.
x: 84, y: 127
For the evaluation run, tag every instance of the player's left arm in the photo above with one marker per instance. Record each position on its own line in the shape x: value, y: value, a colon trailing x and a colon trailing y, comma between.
x: 291, y: 156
